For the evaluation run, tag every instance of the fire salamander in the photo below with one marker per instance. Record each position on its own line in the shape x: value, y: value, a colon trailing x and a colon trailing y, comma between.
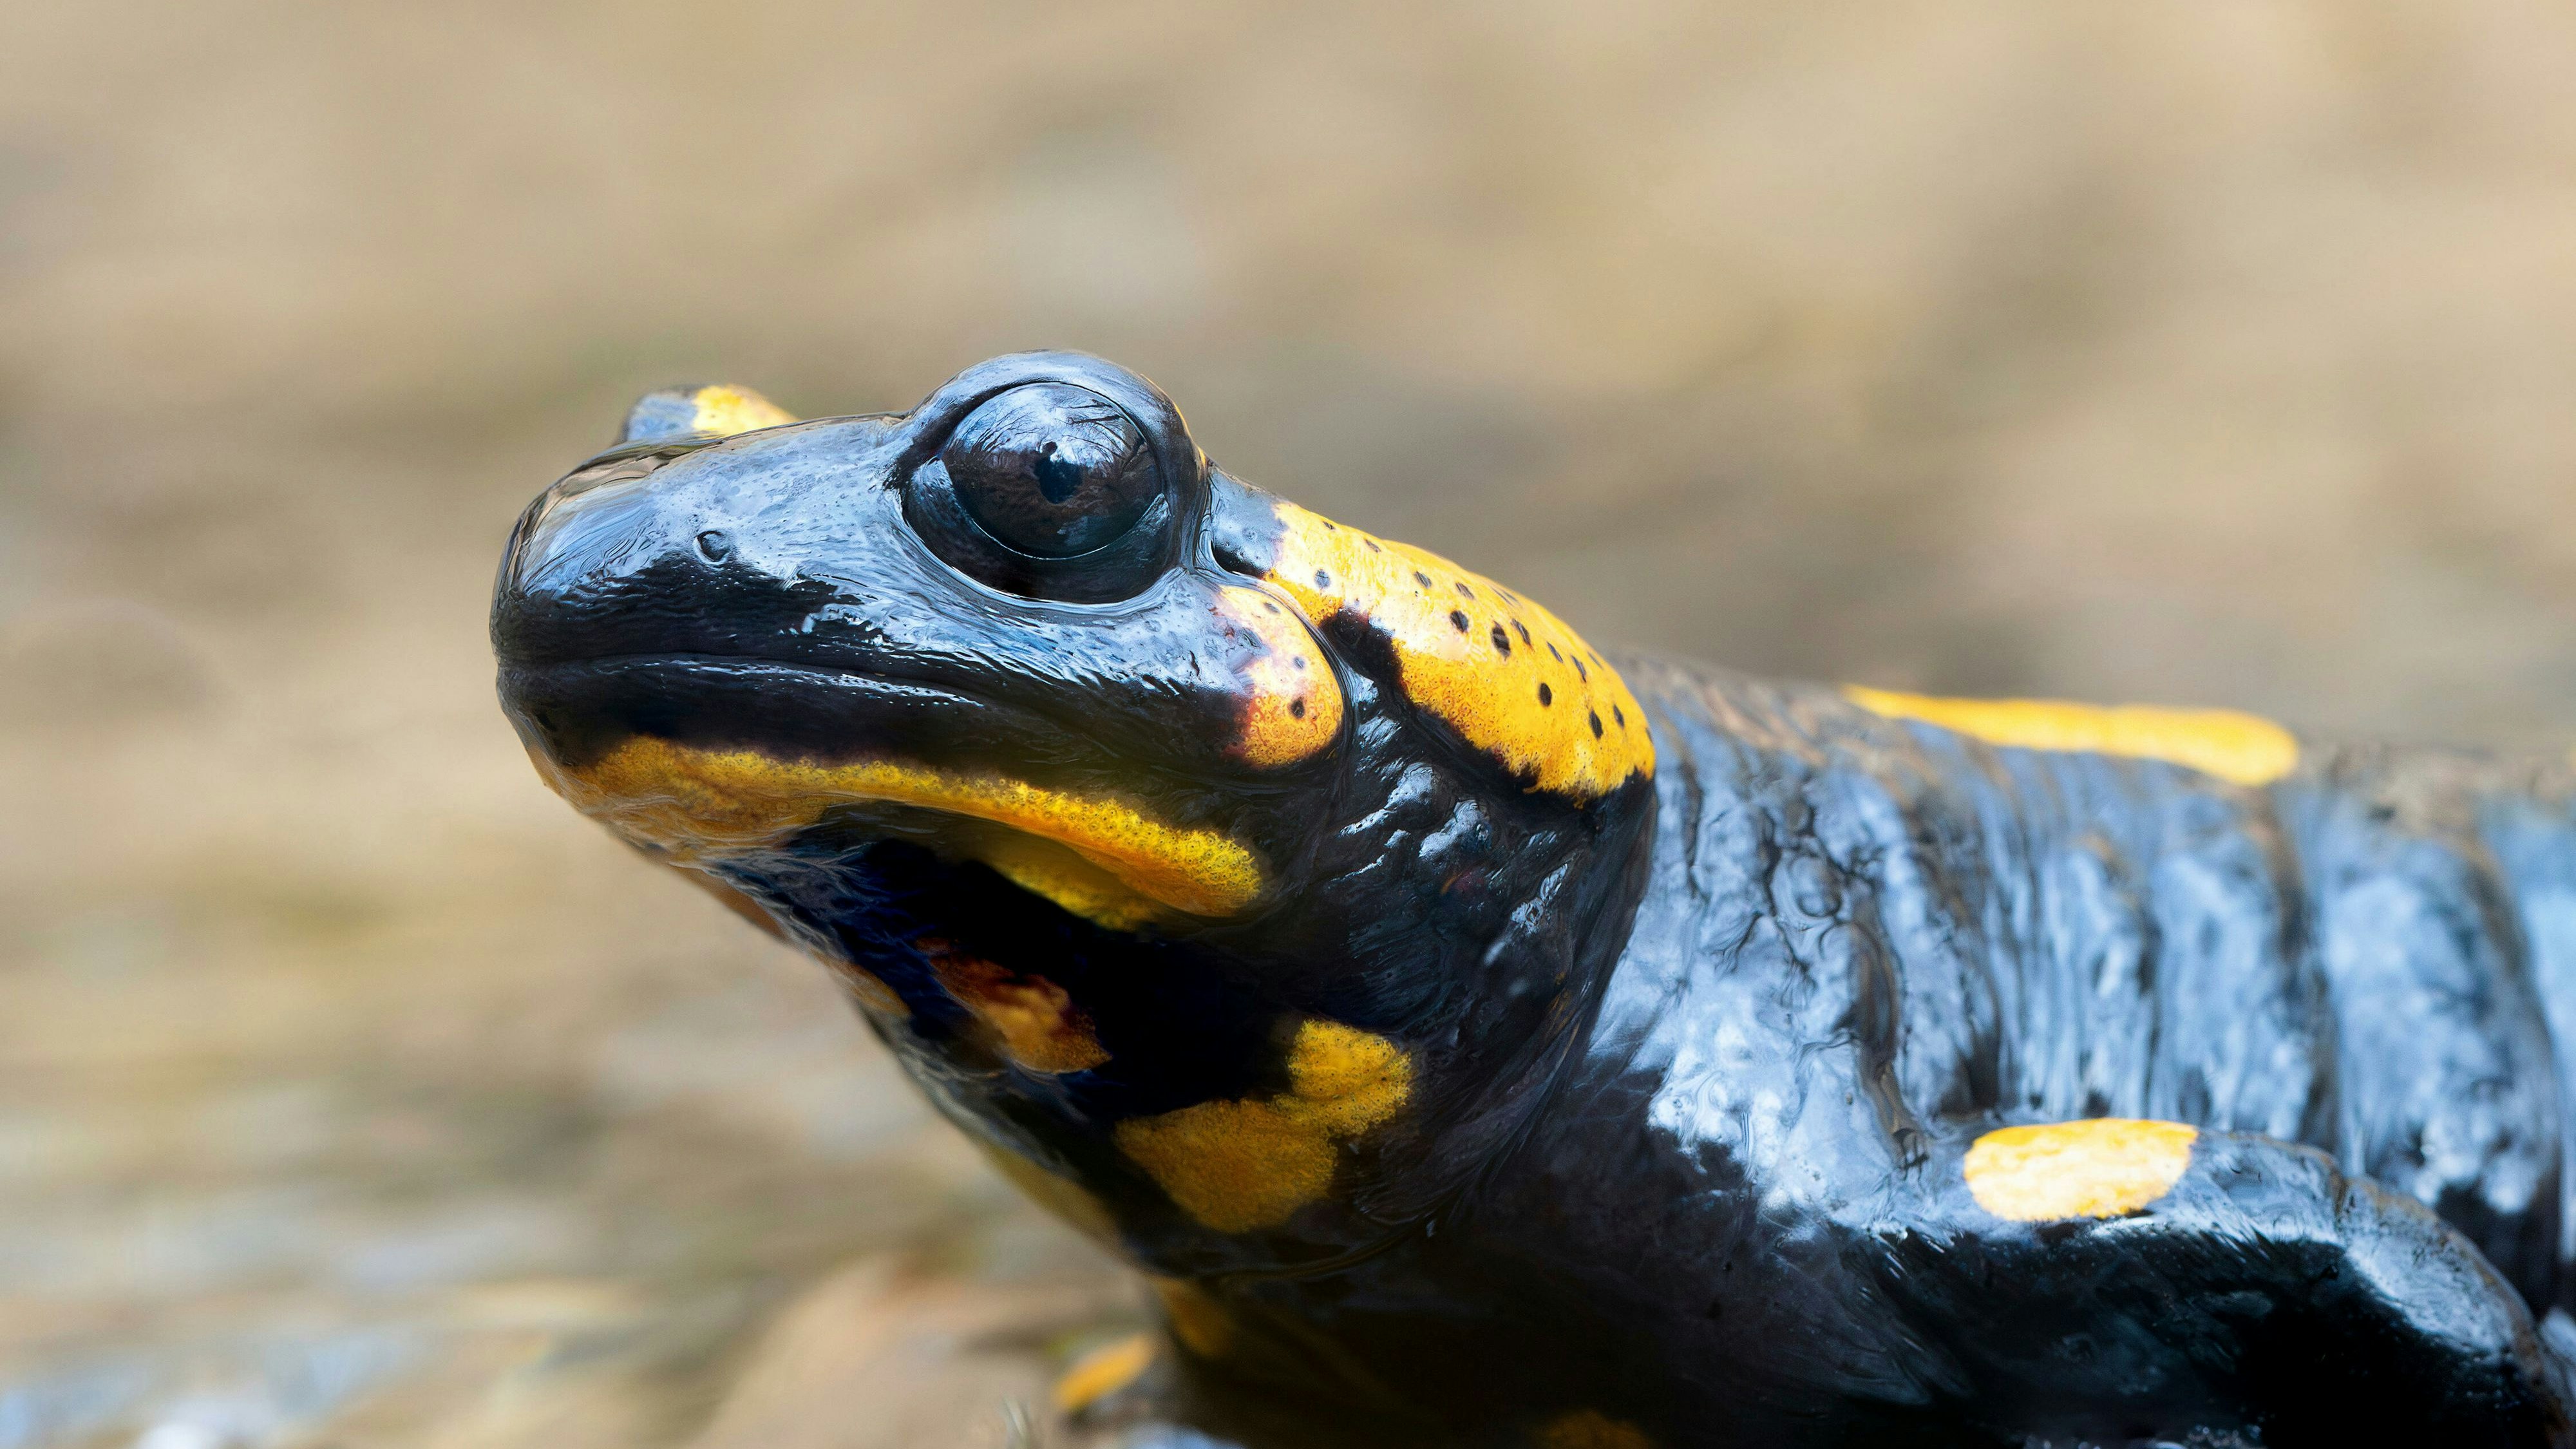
x: 1480, y: 1039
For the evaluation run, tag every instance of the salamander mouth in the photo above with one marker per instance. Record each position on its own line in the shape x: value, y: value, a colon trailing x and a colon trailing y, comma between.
x: 702, y: 758
x: 580, y: 710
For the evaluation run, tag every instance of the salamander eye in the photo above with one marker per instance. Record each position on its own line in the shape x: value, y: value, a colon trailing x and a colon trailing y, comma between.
x: 1051, y: 490
x: 1052, y: 470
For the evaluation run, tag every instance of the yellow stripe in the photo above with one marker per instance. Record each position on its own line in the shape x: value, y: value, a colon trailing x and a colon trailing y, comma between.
x: 2243, y: 748
x: 694, y: 804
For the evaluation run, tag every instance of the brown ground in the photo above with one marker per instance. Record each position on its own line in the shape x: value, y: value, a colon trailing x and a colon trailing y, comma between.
x: 354, y: 1092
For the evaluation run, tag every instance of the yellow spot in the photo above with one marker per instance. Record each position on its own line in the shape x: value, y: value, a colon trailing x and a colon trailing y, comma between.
x: 1103, y: 1371
x: 1292, y: 707
x: 1591, y: 1429
x: 698, y: 804
x: 1503, y: 672
x: 1197, y: 1319
x: 1240, y: 1165
x: 2242, y: 748
x: 2097, y: 1168
x: 724, y: 410
x: 1031, y: 1019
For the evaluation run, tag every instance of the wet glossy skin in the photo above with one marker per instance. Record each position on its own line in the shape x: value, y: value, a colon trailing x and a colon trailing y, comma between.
x: 1481, y: 1041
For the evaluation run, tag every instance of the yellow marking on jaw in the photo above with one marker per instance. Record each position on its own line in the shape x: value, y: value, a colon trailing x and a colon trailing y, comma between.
x: 858, y: 980
x: 1032, y: 1020
x: 869, y: 988
x: 1104, y: 1371
x: 724, y: 410
x: 1294, y: 709
x: 1198, y: 1320
x: 2241, y: 748
x: 1499, y: 669
x: 1590, y: 1429
x: 700, y: 804
x: 2097, y: 1168
x: 1061, y: 1196
x: 1240, y: 1165
x: 726, y: 894
x: 1042, y: 867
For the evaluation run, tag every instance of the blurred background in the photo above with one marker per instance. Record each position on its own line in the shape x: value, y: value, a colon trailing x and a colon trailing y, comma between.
x: 355, y: 1092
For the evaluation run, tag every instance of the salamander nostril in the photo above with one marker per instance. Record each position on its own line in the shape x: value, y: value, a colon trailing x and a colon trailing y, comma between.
x: 715, y: 545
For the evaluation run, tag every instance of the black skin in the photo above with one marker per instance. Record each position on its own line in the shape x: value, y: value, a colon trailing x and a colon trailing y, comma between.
x: 1696, y: 1061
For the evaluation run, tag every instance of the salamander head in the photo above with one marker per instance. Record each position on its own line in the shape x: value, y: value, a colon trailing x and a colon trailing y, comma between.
x: 1237, y: 877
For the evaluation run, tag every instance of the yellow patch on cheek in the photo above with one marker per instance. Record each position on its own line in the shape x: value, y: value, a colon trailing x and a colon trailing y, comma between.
x: 2243, y: 749
x: 1031, y: 1019
x: 1240, y: 1165
x: 1292, y: 704
x: 2098, y: 1168
x: 724, y: 410
x: 697, y: 804
x: 1505, y: 673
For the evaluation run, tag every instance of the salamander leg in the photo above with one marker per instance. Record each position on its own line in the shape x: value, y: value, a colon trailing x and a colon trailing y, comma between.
x: 2111, y: 1282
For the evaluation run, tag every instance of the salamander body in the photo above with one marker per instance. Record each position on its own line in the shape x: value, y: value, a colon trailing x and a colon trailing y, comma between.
x: 1476, y: 1038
